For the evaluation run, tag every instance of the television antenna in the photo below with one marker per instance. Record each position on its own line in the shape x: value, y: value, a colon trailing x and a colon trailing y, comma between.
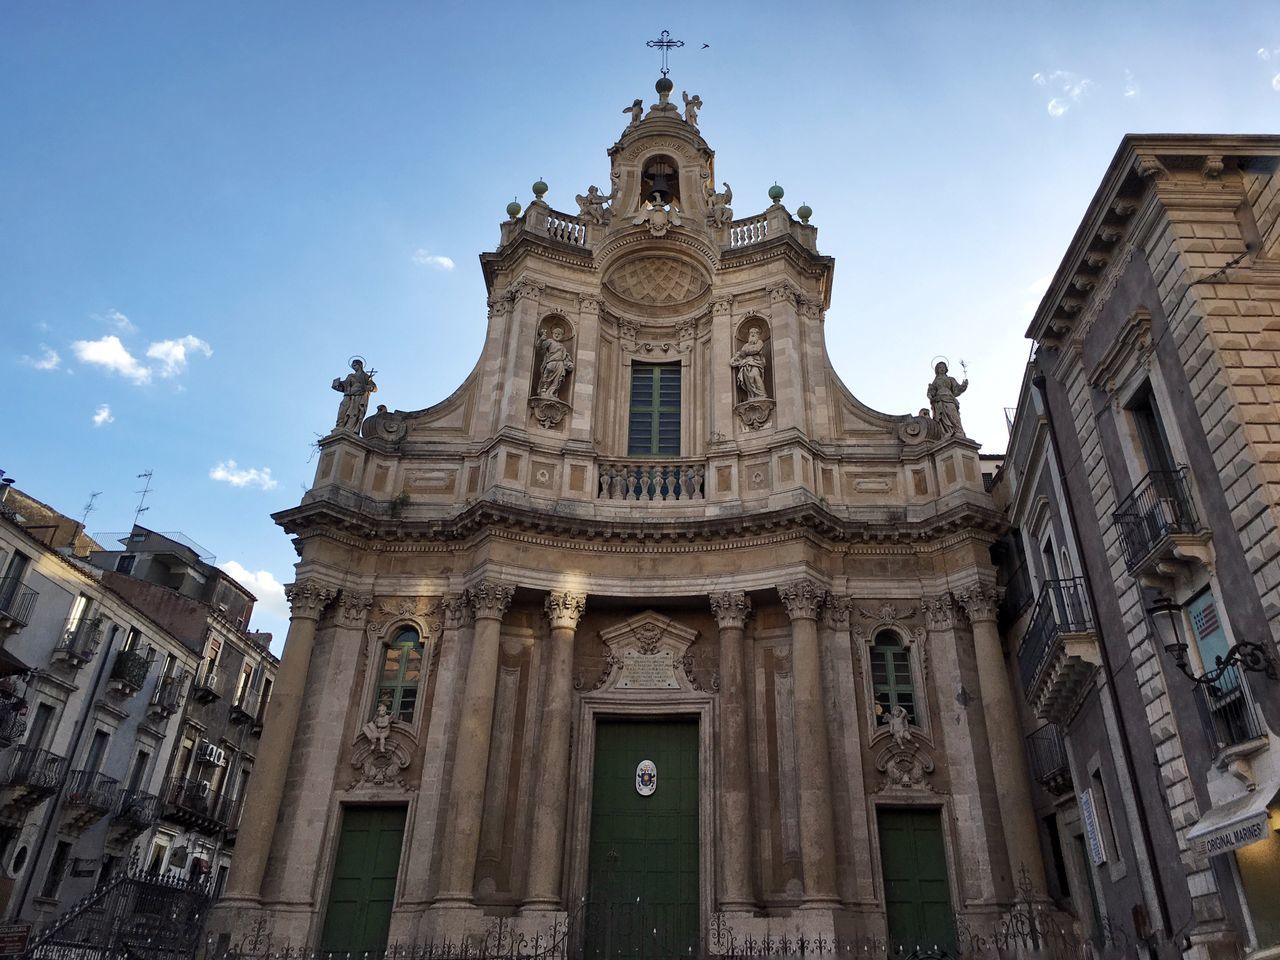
x: 142, y: 498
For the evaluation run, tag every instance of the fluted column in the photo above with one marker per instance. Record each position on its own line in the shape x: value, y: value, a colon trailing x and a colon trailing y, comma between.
x: 489, y: 601
x: 551, y: 801
x: 731, y: 610
x: 1008, y: 756
x: 307, y: 601
x: 803, y: 600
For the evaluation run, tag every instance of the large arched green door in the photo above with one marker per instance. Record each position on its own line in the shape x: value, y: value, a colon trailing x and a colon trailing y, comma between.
x: 363, y: 889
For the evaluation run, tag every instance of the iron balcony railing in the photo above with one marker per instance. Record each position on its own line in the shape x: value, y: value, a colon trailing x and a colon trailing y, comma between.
x: 1062, y: 607
x: 1231, y: 715
x: 130, y: 668
x: 137, y: 809
x: 80, y: 640
x: 1160, y: 505
x: 13, y: 723
x: 1048, y: 753
x: 16, y: 601
x: 245, y: 707
x: 167, y: 698
x: 40, y: 770
x: 196, y: 803
x: 92, y: 790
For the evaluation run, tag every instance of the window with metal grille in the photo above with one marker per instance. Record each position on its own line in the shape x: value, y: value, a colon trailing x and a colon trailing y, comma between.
x: 655, y: 410
x: 401, y: 671
x: 891, y: 678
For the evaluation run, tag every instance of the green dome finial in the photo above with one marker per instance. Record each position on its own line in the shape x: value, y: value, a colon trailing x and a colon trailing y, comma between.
x: 513, y: 208
x: 775, y: 192
x: 539, y: 188
x: 804, y: 212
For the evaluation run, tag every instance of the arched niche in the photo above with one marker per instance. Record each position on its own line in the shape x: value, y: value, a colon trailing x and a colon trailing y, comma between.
x: 752, y: 370
x: 551, y: 381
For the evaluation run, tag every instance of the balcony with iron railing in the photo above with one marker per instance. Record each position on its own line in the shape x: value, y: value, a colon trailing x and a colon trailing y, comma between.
x: 244, y: 707
x: 1230, y: 714
x: 166, y: 699
x: 27, y: 776
x: 204, y: 688
x: 195, y: 804
x: 80, y: 641
x: 91, y: 795
x: 1158, y: 521
x: 1048, y: 755
x: 136, y: 810
x: 13, y: 720
x: 1059, y: 652
x: 16, y: 604
x: 129, y: 672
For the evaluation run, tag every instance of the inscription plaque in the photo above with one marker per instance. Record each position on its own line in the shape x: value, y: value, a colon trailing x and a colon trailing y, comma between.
x: 648, y: 671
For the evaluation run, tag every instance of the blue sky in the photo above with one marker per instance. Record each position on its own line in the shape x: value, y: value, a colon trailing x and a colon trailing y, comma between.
x: 206, y: 208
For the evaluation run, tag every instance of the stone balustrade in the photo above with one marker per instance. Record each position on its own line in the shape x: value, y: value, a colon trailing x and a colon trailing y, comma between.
x: 748, y: 231
x: 561, y: 226
x: 669, y: 481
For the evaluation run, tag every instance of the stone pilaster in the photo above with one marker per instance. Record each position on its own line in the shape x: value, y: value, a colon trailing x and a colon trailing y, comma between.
x: 551, y: 800
x: 737, y: 831
x: 521, y: 347
x: 586, y: 360
x: 489, y: 600
x: 307, y: 601
x: 1008, y: 755
x: 787, y: 341
x: 803, y: 600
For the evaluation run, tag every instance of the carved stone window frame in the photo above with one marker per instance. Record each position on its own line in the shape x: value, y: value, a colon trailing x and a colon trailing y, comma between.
x: 913, y: 640
x: 377, y: 639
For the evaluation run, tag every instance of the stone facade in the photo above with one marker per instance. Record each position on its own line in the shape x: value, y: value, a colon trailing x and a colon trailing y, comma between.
x: 738, y: 572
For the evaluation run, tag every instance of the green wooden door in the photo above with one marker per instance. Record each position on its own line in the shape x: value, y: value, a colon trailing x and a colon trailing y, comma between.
x: 643, y: 883
x: 917, y: 894
x: 364, y: 879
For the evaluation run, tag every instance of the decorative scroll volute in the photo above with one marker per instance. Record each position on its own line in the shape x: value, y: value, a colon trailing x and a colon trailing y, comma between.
x: 564, y: 609
x: 308, y: 599
x: 731, y: 609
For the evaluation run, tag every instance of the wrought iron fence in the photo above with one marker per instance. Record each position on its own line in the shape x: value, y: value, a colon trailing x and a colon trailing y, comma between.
x: 1159, y: 505
x: 130, y: 668
x: 17, y: 601
x: 35, y: 769
x: 1230, y: 713
x: 92, y: 790
x: 1062, y: 607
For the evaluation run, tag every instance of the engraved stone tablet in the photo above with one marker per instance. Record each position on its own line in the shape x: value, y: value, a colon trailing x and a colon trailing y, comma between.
x: 648, y: 671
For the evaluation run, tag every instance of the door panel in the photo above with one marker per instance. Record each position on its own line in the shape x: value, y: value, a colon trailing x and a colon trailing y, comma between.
x: 363, y: 888
x: 916, y: 889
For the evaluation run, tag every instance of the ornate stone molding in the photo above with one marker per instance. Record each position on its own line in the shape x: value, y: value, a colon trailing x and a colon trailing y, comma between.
x: 1150, y: 167
x: 527, y: 288
x: 353, y: 609
x: 456, y: 610
x: 887, y: 612
x: 548, y: 411
x: 904, y: 767
x: 836, y: 611
x: 564, y: 609
x: 588, y: 303
x: 782, y: 291
x: 802, y: 598
x: 722, y: 306
x: 1212, y: 168
x: 731, y: 609
x: 981, y: 601
x: 308, y: 599
x: 941, y: 612
x: 754, y: 413
x: 490, y: 599
x: 420, y: 612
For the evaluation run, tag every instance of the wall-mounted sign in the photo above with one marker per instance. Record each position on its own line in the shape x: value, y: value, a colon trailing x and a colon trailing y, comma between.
x: 1232, y: 836
x: 1092, y: 833
x: 646, y: 778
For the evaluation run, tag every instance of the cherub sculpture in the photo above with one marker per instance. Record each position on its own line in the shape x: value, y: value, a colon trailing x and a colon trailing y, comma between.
x: 636, y: 110
x: 376, y: 730
x: 591, y: 205
x: 719, y: 212
x: 691, y: 107
x: 899, y: 726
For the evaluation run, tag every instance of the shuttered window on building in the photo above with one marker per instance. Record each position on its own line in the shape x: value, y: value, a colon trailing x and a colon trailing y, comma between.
x: 891, y: 677
x: 654, y: 427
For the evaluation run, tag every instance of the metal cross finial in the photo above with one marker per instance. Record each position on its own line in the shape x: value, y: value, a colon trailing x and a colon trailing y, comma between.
x: 665, y: 44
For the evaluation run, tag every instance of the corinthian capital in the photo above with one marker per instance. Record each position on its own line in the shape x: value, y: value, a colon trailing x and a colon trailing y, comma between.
x: 731, y: 609
x: 564, y: 609
x: 980, y: 601
x: 490, y: 599
x: 802, y: 598
x: 835, y: 612
x: 308, y: 598
x: 941, y: 611
x: 353, y: 609
x: 457, y: 611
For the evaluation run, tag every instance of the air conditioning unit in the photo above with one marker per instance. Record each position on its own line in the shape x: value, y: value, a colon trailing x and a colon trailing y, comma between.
x: 210, y: 753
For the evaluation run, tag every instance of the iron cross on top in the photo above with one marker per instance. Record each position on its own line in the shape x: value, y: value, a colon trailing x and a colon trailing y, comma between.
x: 665, y: 44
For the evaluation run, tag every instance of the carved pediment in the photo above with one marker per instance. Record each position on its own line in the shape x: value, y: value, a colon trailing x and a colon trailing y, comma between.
x: 649, y: 652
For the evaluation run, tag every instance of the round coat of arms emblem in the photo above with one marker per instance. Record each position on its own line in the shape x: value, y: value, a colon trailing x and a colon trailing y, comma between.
x: 646, y: 778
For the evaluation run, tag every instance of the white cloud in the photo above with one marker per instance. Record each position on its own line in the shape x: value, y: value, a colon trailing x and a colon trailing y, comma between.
x: 48, y: 360
x: 263, y: 585
x: 1265, y: 54
x: 118, y: 320
x: 432, y: 260
x: 172, y: 354
x: 228, y: 472
x: 1275, y: 82
x: 1068, y: 87
x: 110, y: 353
x: 103, y: 415
x: 1131, y: 88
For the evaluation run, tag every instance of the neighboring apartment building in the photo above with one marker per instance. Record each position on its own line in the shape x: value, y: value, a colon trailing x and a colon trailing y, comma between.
x: 1142, y: 570
x: 90, y: 686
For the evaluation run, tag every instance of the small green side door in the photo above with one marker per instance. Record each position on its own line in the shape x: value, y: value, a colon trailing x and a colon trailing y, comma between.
x: 643, y: 874
x: 363, y: 888
x: 917, y: 894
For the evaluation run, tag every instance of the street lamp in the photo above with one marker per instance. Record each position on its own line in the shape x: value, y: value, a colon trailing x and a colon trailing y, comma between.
x: 1166, y: 615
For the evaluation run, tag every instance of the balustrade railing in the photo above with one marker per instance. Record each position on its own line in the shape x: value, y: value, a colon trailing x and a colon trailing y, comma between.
x: 1062, y: 607
x: 645, y: 481
x: 25, y: 766
x: 566, y: 228
x: 1048, y: 753
x: 130, y: 668
x: 80, y: 640
x: 1159, y: 505
x: 16, y: 601
x: 1231, y: 715
x: 92, y: 790
x: 751, y: 230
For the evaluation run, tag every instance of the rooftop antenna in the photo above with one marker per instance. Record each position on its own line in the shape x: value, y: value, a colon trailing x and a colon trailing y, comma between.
x: 89, y: 507
x: 665, y: 44
x: 146, y: 489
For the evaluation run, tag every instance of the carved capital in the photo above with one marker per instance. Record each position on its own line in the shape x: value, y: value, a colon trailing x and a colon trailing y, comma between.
x: 499, y: 306
x: 457, y: 611
x: 810, y: 309
x: 489, y: 599
x: 941, y: 612
x: 588, y: 303
x: 721, y: 306
x: 731, y: 609
x: 781, y: 292
x: 308, y: 598
x: 836, y: 611
x: 564, y: 609
x: 353, y: 610
x: 803, y: 599
x: 981, y: 601
x: 527, y: 289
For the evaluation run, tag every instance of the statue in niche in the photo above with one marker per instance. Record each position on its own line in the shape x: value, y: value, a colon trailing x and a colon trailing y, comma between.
x: 556, y: 363
x: 719, y: 212
x: 376, y: 730
x: 636, y: 110
x: 942, y: 398
x: 691, y: 107
x: 749, y: 362
x: 355, y: 388
x: 899, y: 727
x: 591, y: 206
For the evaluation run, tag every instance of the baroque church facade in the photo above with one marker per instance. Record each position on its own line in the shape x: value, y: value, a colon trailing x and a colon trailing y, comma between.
x: 650, y: 621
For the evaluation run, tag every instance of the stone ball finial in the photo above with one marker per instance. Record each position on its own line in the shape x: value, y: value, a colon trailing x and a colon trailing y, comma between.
x: 513, y: 209
x: 664, y: 86
x: 775, y: 193
x: 804, y: 212
x: 539, y: 188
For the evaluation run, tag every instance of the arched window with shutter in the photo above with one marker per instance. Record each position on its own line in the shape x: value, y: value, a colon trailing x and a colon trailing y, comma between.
x: 400, y: 675
x: 891, y: 681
